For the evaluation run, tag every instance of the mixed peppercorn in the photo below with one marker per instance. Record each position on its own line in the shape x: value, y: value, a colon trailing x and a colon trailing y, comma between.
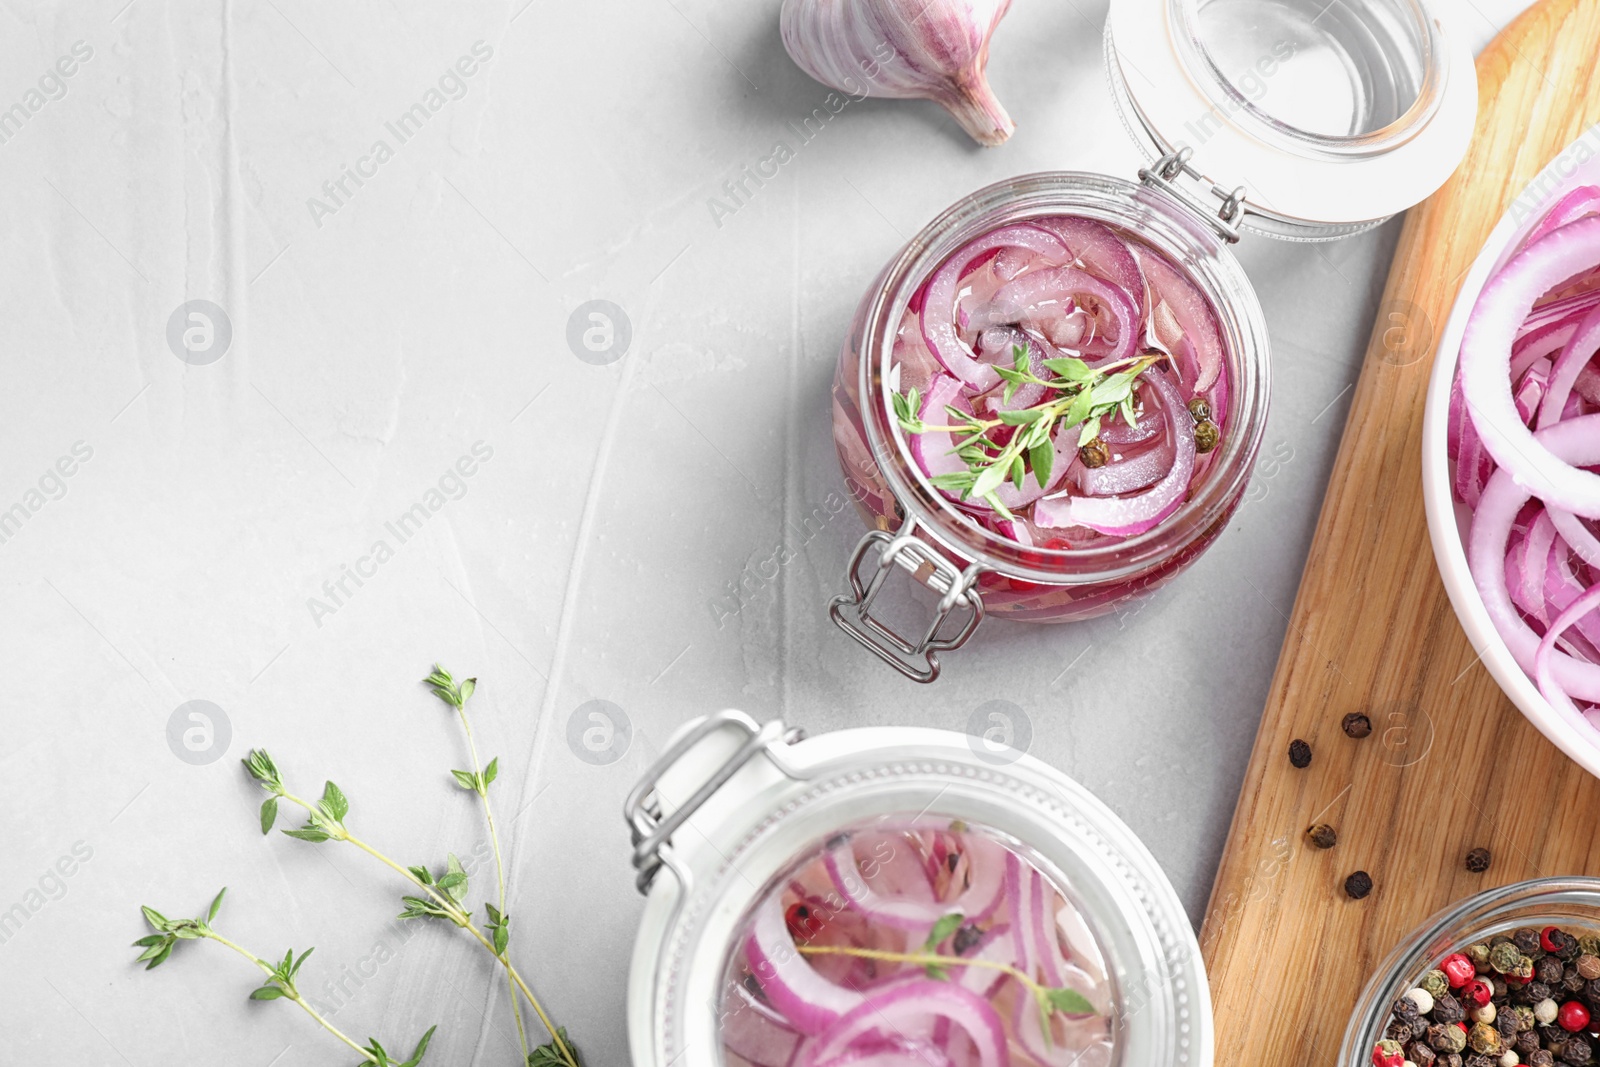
x: 1522, y: 998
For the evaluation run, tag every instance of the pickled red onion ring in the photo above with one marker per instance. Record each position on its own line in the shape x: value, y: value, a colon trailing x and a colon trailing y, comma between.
x: 1485, y: 365
x: 939, y: 300
x: 809, y: 1001
x: 1128, y: 516
x: 914, y: 1001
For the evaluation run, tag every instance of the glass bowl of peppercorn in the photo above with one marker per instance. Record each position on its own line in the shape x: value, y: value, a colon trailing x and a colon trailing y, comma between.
x: 1510, y: 976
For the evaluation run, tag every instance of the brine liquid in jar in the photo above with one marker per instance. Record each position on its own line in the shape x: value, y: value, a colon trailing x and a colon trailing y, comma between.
x: 916, y: 941
x: 1061, y: 381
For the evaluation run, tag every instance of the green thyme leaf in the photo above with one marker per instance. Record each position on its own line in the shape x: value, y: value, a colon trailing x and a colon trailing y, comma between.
x: 1024, y: 417
x: 1068, y: 1000
x: 1073, y: 370
x: 1019, y: 358
x: 1019, y: 472
x: 216, y: 905
x: 942, y: 929
x: 990, y: 479
x: 466, y: 780
x: 334, y: 802
x: 490, y: 773
x: 1090, y: 431
x: 269, y: 814
x: 1043, y: 457
x: 266, y: 992
x: 309, y: 833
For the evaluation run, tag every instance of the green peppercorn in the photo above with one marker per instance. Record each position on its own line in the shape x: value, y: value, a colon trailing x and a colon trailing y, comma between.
x: 1094, y: 453
x: 1206, y: 436
x: 1447, y: 1037
x: 1589, y: 945
x: 1478, y: 953
x: 1435, y: 983
x: 1524, y: 1017
x: 1524, y: 969
x: 1504, y: 957
x: 1200, y: 409
x: 1484, y: 1038
x: 1322, y: 836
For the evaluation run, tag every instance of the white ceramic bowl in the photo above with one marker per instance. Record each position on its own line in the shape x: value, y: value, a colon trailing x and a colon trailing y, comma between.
x: 1448, y: 519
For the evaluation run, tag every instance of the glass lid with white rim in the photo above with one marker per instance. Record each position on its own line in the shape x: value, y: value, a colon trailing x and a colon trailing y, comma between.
x: 898, y: 896
x: 1306, y: 119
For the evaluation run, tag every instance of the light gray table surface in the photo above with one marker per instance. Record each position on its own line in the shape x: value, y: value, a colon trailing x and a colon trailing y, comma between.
x: 380, y: 337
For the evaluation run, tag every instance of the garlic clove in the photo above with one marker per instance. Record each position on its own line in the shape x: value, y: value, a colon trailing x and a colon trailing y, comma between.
x: 928, y: 49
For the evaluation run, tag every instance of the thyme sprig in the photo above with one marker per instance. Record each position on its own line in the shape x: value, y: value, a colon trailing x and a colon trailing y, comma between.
x: 280, y: 980
x: 1084, y: 396
x: 935, y: 964
x: 478, y: 780
x: 441, y: 898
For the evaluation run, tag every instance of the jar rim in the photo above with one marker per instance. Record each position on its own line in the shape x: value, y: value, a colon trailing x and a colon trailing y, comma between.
x: 1174, y: 231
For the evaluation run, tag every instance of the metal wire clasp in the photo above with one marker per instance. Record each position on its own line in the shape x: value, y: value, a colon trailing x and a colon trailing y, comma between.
x: 1165, y: 173
x: 957, y: 589
x: 652, y: 833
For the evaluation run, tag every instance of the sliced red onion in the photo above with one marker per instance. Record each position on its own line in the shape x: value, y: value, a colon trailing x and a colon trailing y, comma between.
x: 912, y: 1002
x: 901, y: 912
x: 810, y: 1002
x: 1128, y: 516
x: 1042, y: 295
x: 1101, y: 251
x: 1584, y: 200
x: 1544, y: 657
x: 939, y: 300
x: 1131, y: 474
x: 1485, y: 362
x: 995, y: 946
x: 1193, y: 313
x: 1578, y: 442
x: 1564, y: 375
x: 934, y: 451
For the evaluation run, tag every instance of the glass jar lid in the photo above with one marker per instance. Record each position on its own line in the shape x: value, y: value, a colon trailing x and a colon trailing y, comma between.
x: 732, y: 807
x: 1324, y: 116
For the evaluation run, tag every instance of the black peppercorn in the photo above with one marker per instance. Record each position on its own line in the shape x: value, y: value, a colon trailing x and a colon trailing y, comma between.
x: 1576, y: 1050
x: 1299, y: 753
x: 1324, y: 836
x: 1479, y: 1059
x: 1549, y: 970
x: 1420, y: 1054
x: 1478, y: 860
x: 1506, y: 1023
x: 1398, y: 1031
x: 1358, y: 885
x: 1451, y: 1060
x: 1526, y: 938
x: 965, y: 938
x: 1356, y: 725
x: 1206, y: 436
x: 1568, y: 947
x: 1535, y: 991
x: 1540, y: 1058
x: 1447, y: 1009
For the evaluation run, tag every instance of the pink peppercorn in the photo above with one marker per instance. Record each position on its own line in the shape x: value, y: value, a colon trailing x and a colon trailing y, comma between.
x: 1545, y: 941
x: 1478, y: 991
x: 1388, y: 1054
x: 1458, y: 970
x: 1572, y: 1016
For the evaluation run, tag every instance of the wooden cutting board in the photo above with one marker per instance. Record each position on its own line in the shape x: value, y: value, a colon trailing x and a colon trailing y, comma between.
x: 1450, y: 765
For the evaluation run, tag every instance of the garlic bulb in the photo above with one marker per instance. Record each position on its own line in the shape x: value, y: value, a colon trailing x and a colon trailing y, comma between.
x: 929, y: 49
